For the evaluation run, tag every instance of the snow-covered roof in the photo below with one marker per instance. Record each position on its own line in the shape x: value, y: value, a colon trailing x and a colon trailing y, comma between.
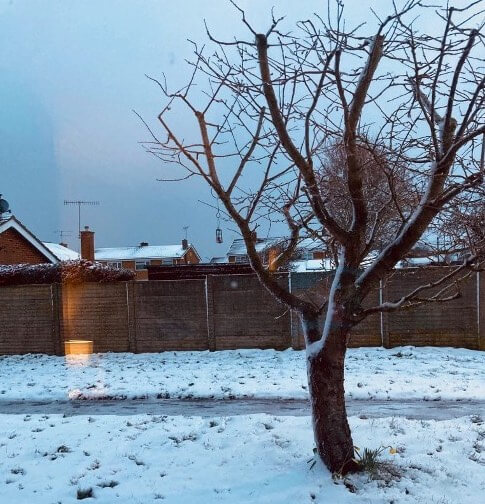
x: 435, y: 259
x: 312, y: 265
x: 63, y: 253
x: 13, y: 223
x: 218, y: 260
x: 310, y: 244
x: 238, y: 246
x: 141, y: 252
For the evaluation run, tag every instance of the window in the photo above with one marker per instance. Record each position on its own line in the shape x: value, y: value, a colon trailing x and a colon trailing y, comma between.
x: 242, y: 259
x: 115, y: 264
x: 142, y: 265
x: 167, y: 262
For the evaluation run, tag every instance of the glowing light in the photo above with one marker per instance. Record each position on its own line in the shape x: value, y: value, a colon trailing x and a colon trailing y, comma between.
x: 78, y: 347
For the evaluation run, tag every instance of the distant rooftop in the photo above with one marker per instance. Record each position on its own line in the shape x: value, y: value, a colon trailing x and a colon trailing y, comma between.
x: 141, y: 252
x: 218, y: 260
x: 238, y: 247
x: 61, y: 252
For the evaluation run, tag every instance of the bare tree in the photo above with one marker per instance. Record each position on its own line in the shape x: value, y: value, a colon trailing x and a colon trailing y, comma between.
x: 387, y: 188
x: 265, y: 110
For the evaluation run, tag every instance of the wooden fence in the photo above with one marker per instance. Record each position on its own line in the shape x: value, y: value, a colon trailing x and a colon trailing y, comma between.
x: 221, y: 312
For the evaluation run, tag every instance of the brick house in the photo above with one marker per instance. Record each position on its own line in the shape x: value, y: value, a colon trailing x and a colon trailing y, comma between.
x: 140, y: 257
x: 310, y: 254
x: 18, y: 245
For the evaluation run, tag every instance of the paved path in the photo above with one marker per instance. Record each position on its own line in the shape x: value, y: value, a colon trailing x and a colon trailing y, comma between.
x: 417, y: 409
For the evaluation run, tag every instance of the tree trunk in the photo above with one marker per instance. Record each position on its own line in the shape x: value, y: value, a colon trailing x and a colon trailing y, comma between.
x: 325, y: 366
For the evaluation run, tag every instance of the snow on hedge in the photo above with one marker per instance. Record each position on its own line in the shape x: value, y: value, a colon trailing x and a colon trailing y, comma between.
x: 63, y: 272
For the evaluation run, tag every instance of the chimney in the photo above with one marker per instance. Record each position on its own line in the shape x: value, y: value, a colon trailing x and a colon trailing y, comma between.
x: 143, y: 244
x: 87, y: 244
x: 62, y: 244
x: 185, y: 244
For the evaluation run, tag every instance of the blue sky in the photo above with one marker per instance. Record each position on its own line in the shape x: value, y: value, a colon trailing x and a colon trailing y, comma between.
x: 70, y: 74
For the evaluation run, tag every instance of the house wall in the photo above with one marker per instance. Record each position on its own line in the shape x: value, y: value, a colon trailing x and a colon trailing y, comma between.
x: 222, y: 312
x: 319, y: 254
x: 15, y: 249
x: 189, y: 258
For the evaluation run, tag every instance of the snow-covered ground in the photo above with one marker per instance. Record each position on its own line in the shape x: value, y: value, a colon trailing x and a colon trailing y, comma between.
x: 52, y: 458
x: 248, y: 459
x: 371, y: 373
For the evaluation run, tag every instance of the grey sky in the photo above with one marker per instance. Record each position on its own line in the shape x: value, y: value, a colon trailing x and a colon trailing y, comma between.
x: 70, y: 74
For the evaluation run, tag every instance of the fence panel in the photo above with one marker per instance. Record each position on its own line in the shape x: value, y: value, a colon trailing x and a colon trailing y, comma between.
x: 27, y: 320
x: 453, y: 323
x: 170, y: 315
x: 246, y: 315
x: 97, y: 312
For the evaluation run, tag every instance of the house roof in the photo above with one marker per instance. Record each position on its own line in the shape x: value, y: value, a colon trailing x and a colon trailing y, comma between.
x: 218, y: 260
x: 238, y: 246
x: 13, y: 223
x: 63, y: 253
x: 302, y: 266
x: 142, y: 252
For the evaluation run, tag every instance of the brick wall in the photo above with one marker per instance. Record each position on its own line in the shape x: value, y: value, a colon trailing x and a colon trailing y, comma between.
x: 15, y: 249
x: 189, y: 258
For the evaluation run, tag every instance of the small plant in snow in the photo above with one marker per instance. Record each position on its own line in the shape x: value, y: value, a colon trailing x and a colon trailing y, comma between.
x: 18, y: 470
x: 369, y: 461
x: 108, y: 484
x: 84, y: 493
x: 313, y: 460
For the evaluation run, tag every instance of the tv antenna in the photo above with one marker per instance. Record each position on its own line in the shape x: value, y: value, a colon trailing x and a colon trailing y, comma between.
x: 63, y: 234
x: 79, y: 204
x: 185, y: 228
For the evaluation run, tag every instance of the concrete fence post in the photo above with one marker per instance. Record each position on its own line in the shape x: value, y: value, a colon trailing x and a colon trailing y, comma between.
x: 131, y: 316
x: 293, y: 317
x: 209, y: 304
x: 480, y: 281
x: 385, y: 339
x: 57, y: 314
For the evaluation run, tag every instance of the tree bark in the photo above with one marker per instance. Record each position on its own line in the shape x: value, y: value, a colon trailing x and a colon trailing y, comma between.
x: 331, y: 429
